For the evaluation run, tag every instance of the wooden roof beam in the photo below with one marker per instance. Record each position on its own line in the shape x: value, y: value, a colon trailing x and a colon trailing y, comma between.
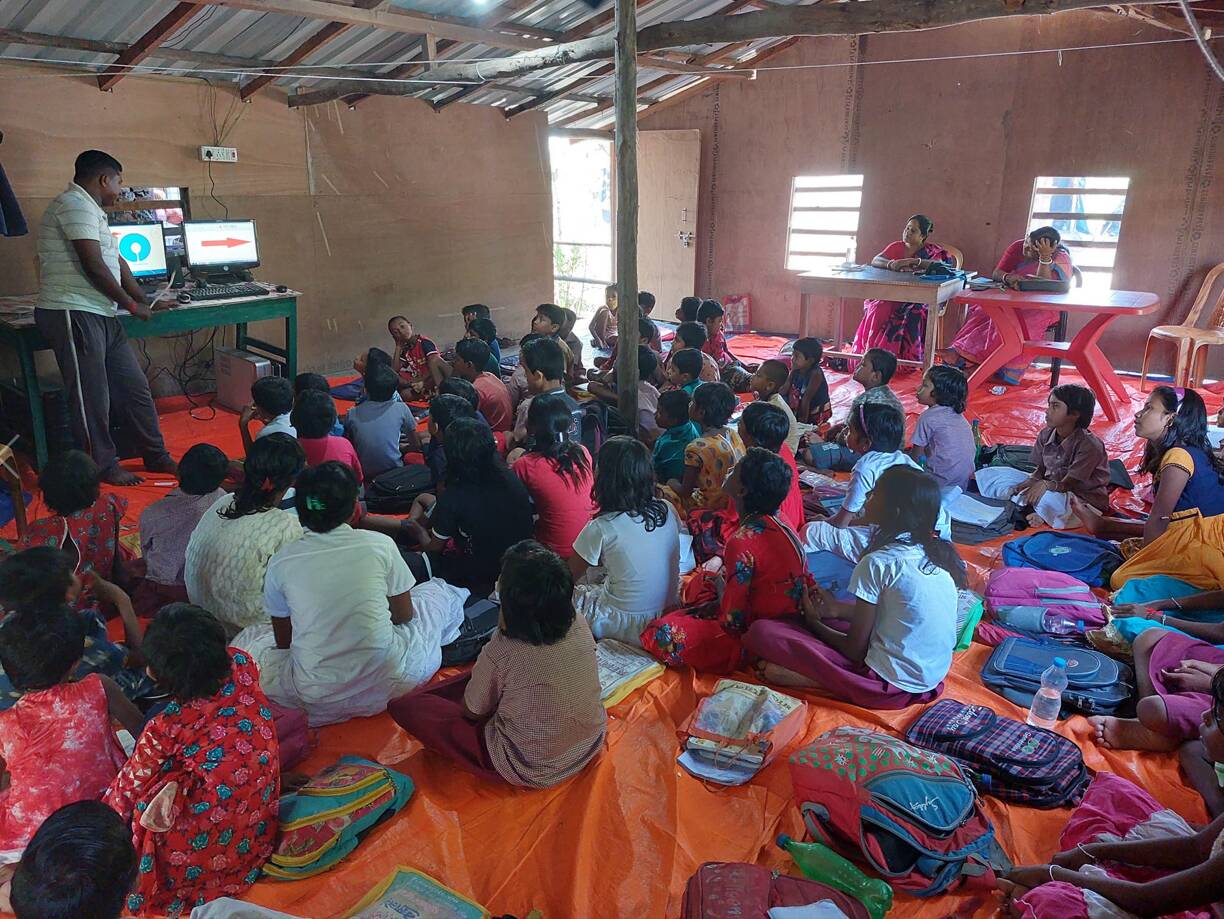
x: 776, y: 22
x: 141, y: 48
x: 316, y: 41
x: 389, y: 20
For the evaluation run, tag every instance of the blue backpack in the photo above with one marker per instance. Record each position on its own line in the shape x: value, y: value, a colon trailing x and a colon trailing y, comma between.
x: 1096, y: 684
x: 1091, y: 560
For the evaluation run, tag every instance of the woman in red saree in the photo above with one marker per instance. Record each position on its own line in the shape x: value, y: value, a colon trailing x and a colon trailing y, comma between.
x: 900, y: 327
x: 1039, y: 255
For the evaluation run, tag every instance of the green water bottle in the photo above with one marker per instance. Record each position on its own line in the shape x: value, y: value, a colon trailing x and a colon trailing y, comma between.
x: 977, y: 441
x: 820, y: 863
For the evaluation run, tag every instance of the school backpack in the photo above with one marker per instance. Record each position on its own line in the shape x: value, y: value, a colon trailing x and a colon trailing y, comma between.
x: 909, y: 814
x: 1096, y: 684
x: 394, y: 491
x: 1020, y: 598
x: 1017, y: 456
x: 591, y: 425
x: 481, y: 618
x: 735, y: 890
x: 1090, y: 559
x: 325, y: 820
x: 1005, y: 758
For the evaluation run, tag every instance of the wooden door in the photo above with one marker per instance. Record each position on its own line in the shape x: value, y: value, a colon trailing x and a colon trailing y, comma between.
x: 668, y: 167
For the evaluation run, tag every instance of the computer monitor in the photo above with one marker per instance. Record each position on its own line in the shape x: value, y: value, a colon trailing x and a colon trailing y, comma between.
x: 221, y: 244
x: 143, y: 247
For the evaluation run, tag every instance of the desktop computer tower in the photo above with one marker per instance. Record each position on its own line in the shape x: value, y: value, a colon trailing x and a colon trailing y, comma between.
x: 236, y: 371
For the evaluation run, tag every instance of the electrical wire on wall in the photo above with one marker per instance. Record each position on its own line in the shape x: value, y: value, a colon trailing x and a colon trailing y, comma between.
x: 1201, y: 40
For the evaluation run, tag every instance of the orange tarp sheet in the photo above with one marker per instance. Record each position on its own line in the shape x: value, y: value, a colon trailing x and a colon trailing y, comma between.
x: 622, y: 838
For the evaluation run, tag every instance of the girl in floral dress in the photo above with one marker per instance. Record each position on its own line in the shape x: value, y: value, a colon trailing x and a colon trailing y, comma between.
x: 202, y: 789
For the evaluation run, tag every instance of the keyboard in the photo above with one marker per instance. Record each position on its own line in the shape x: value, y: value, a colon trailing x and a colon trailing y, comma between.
x: 226, y: 291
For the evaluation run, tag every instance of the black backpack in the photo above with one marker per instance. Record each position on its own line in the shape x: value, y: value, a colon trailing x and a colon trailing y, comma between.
x: 394, y: 491
x: 591, y: 425
x: 481, y: 617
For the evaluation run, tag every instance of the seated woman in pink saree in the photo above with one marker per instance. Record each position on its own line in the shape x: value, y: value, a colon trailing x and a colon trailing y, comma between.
x: 1039, y: 255
x: 900, y: 327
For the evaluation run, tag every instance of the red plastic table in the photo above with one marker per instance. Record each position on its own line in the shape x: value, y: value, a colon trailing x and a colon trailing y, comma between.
x: 1005, y: 308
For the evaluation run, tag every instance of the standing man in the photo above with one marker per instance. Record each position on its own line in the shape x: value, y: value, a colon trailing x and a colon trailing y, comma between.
x: 83, y: 284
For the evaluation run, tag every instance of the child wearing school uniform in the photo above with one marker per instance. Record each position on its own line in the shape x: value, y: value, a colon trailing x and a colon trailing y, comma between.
x: 942, y: 437
x: 381, y: 428
x: 558, y: 475
x: 56, y: 744
x: 271, y: 402
x: 1071, y: 462
x: 633, y: 542
x: 529, y: 713
x: 872, y: 373
x: 807, y: 391
x: 892, y: 646
x: 314, y: 416
x: 766, y: 385
x: 678, y: 431
x: 763, y: 424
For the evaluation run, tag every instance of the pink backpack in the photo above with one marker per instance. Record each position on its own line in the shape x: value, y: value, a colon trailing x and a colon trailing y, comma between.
x: 1020, y: 597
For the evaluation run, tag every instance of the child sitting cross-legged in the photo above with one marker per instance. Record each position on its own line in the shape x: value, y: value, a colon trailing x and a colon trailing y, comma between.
x: 272, y: 401
x: 57, y: 744
x: 807, y: 390
x: 763, y: 424
x: 557, y: 473
x: 79, y: 864
x: 691, y: 335
x: 632, y: 545
x: 648, y: 398
x: 167, y: 525
x: 381, y: 428
x: 493, y: 396
x: 417, y: 361
x: 529, y: 713
x: 314, y: 416
x: 603, y: 323
x: 892, y: 646
x: 544, y: 363
x: 86, y: 522
x: 347, y: 636
x: 876, y: 434
x: 684, y: 370
x: 42, y: 578
x: 763, y: 575
x: 767, y: 384
x: 873, y: 372
x: 677, y: 429
x: 202, y: 788
x: 942, y: 436
x: 1070, y: 460
x: 709, y: 458
x: 731, y: 371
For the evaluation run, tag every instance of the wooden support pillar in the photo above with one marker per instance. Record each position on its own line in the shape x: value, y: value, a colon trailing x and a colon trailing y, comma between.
x: 627, y: 312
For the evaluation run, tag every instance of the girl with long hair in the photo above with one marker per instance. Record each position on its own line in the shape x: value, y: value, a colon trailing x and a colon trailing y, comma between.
x: 557, y: 473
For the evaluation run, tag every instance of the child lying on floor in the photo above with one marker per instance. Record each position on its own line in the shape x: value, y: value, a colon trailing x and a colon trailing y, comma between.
x: 891, y: 647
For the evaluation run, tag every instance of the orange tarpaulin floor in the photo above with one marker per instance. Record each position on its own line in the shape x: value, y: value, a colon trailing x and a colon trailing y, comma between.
x: 622, y: 838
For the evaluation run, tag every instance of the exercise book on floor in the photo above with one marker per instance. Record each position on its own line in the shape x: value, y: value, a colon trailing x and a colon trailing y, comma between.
x: 407, y: 892
x: 622, y: 669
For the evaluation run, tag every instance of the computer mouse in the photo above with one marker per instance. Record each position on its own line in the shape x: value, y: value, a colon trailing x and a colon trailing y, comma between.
x: 281, y: 288
x: 184, y: 297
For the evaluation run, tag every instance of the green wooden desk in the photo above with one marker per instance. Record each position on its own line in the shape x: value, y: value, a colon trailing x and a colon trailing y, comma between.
x: 17, y: 330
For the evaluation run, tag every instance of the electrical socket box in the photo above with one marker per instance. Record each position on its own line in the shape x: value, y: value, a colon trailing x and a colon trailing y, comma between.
x: 219, y: 154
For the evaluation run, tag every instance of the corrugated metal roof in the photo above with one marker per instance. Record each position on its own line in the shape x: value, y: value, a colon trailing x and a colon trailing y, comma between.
x: 254, y: 38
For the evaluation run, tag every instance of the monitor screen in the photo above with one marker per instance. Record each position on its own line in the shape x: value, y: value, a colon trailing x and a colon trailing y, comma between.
x: 221, y: 243
x: 143, y: 247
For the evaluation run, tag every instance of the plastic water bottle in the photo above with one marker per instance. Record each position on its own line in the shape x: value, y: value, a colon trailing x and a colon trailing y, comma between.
x: 820, y: 863
x: 977, y: 439
x: 850, y: 253
x: 1047, y: 702
x: 1058, y: 624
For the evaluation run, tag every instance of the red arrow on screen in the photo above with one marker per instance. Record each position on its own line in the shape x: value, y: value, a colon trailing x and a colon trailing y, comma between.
x: 229, y: 242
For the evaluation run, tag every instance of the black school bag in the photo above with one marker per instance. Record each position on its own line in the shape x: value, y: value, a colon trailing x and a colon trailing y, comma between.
x: 481, y: 618
x: 394, y: 491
